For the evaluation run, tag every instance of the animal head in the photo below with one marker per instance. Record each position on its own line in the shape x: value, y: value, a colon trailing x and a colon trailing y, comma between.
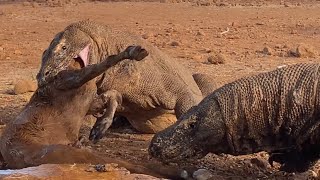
x: 193, y: 136
x: 75, y: 77
x: 67, y: 46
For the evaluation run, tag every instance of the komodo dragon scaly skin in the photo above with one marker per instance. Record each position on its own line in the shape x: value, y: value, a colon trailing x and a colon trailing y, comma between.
x: 151, y: 94
x: 277, y: 112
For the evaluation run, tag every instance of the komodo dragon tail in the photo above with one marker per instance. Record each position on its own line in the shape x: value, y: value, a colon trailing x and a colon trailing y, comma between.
x: 205, y: 83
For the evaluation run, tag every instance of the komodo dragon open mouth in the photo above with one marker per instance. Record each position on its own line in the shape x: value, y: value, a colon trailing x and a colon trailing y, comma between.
x: 82, y: 57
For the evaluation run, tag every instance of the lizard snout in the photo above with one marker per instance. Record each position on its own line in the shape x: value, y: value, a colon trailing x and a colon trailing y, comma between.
x: 155, y: 149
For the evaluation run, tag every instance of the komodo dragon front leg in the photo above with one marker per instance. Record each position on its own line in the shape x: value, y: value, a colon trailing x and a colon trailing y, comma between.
x: 146, y: 121
x: 107, y: 104
x: 152, y: 90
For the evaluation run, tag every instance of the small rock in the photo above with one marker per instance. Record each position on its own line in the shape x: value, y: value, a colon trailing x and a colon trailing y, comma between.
x: 260, y: 163
x: 103, y: 168
x: 305, y: 51
x: 90, y: 169
x: 200, y: 33
x: 207, y: 50
x: 184, y: 174
x: 260, y: 23
x: 286, y: 5
x: 197, y: 57
x: 35, y: 5
x: 293, y: 31
x: 174, y: 43
x: 216, y: 58
x: 202, y: 174
x: 267, y: 50
x: 23, y: 86
x: 292, y: 53
x: 147, y: 35
x: 233, y: 37
x: 222, y: 4
x: 100, y: 168
x: 17, y: 52
x: 26, y: 4
x: 278, y: 46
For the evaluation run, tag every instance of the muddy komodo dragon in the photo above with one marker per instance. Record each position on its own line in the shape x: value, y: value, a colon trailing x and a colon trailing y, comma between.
x: 49, y: 124
x: 277, y: 112
x: 150, y: 94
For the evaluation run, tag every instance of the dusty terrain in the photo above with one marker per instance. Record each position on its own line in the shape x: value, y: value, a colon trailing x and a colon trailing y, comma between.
x: 238, y: 37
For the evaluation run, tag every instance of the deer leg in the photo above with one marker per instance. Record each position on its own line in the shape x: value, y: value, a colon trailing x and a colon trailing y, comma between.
x: 109, y: 102
x: 61, y: 154
x: 69, y: 79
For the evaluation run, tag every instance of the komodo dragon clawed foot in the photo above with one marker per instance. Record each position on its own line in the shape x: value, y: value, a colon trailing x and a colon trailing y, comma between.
x: 293, y: 160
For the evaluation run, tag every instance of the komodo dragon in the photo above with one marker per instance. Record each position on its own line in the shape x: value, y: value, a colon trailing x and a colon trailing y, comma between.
x: 47, y: 128
x: 277, y: 112
x: 42, y: 132
x: 147, y: 93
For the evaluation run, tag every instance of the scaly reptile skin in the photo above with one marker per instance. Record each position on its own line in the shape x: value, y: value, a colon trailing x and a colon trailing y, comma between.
x: 150, y: 93
x: 277, y: 112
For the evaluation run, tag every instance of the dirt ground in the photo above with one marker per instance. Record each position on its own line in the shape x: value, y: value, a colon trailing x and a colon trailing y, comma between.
x: 238, y: 37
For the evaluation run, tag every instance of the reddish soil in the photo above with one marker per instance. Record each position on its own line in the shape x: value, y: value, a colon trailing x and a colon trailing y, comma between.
x: 251, y: 36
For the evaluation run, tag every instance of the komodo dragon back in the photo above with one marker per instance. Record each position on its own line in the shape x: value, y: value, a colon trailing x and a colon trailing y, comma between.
x: 277, y: 112
x: 116, y: 41
x: 153, y: 87
x: 107, y: 41
x: 280, y: 105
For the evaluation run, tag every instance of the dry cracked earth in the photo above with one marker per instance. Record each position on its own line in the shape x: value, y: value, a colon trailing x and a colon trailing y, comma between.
x: 226, y: 39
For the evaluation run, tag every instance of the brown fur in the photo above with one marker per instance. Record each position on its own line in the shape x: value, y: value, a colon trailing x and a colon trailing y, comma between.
x: 48, y: 125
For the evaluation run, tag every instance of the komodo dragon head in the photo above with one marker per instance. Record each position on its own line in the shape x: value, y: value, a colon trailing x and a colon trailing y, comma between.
x: 191, y: 137
x: 67, y: 46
